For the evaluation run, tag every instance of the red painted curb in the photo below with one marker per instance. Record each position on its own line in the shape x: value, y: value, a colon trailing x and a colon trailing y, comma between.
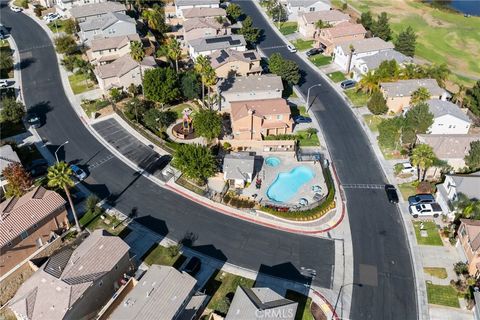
x: 273, y: 226
x: 334, y: 313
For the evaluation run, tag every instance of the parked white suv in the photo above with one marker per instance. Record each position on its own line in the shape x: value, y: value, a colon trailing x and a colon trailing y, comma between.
x: 51, y: 17
x: 408, y: 168
x: 3, y: 83
x: 425, y: 210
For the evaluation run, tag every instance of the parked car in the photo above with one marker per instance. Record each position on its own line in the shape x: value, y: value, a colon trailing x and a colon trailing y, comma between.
x: 34, y: 121
x: 347, y: 84
x: 302, y: 119
x: 52, y: 17
x: 78, y: 173
x: 291, y: 48
x: 15, y: 8
x: 2, y: 35
x: 408, y: 168
x: 193, y: 266
x: 314, y: 51
x: 3, y: 83
x: 391, y: 193
x: 421, y: 198
x: 38, y: 168
x: 425, y: 209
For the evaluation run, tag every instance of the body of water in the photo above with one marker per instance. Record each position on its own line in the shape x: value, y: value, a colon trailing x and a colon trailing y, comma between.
x: 287, y: 184
x: 471, y: 7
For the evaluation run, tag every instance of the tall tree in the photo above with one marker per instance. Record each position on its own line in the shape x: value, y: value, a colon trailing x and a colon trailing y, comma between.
x: 155, y: 19
x: 60, y: 176
x: 195, y: 161
x: 207, y: 124
x: 439, y: 72
x: 66, y: 44
x: 377, y: 104
x: 473, y: 98
x: 388, y: 70
x: 174, y: 51
x: 250, y: 33
x: 138, y: 54
x: 406, y: 42
x: 161, y: 85
x: 417, y: 121
x: 381, y: 27
x: 459, y: 96
x: 467, y: 208
x: 203, y: 66
x: 472, y: 159
x: 234, y: 12
x: 11, y: 111
x: 419, y: 96
x: 368, y: 83
x: 287, y: 69
x: 191, y: 86
x: 19, y: 181
x: 320, y: 24
x: 366, y: 20
x: 155, y: 119
x: 389, y: 132
x: 423, y: 158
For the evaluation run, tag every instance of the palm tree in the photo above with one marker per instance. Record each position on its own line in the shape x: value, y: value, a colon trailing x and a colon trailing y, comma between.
x: 152, y: 18
x: 438, y: 72
x: 6, y: 61
x: 201, y: 66
x: 350, y: 57
x: 419, y: 96
x: 210, y: 80
x: 422, y: 157
x: 138, y: 54
x: 320, y: 24
x: 466, y: 207
x: 174, y: 51
x: 60, y: 176
x: 459, y: 96
x: 410, y: 71
x: 368, y: 83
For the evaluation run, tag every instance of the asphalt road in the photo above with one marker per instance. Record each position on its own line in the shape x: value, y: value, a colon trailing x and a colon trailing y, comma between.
x: 382, y: 262
x: 228, y: 239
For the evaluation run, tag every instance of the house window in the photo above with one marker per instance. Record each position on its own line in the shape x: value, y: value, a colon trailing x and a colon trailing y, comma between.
x: 312, y: 9
x: 24, y: 234
x: 279, y: 117
x: 100, y: 283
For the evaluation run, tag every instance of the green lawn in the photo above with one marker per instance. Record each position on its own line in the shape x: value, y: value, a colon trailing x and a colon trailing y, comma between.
x: 222, y: 284
x: 298, y: 110
x: 442, y: 295
x: 336, y: 76
x: 433, y: 238
x: 372, y: 121
x: 306, y: 141
x: 320, y: 60
x: 303, y: 45
x: 303, y: 308
x: 440, y: 273
x: 57, y: 25
x: 389, y: 154
x: 407, y: 190
x: 9, y: 129
x: 161, y: 255
x: 358, y: 98
x: 80, y: 83
x: 179, y: 108
x: 110, y: 223
x: 442, y: 36
x: 288, y: 27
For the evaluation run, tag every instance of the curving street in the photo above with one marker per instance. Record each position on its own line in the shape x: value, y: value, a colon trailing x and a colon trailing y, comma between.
x: 382, y: 262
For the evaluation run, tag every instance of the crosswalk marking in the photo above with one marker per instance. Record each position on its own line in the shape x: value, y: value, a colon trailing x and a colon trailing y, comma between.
x: 363, y: 186
x: 274, y: 47
x: 100, y: 162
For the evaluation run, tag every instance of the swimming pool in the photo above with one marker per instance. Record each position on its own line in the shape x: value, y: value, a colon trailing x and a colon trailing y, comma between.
x: 286, y: 184
x: 272, y: 161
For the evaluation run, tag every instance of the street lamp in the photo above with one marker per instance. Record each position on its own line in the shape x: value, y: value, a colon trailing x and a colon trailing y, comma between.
x: 340, y: 292
x: 56, y: 156
x: 308, y: 94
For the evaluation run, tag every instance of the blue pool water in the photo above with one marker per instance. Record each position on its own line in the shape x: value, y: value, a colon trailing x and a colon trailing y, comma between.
x: 286, y: 184
x: 272, y: 161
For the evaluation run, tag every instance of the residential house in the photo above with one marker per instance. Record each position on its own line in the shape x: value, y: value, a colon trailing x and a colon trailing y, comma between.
x: 451, y: 148
x: 27, y: 223
x: 182, y: 5
x: 347, y: 53
x: 297, y: 7
x: 96, y: 10
x: 107, y: 50
x: 197, y: 28
x: 398, y: 94
x: 68, y: 4
x: 307, y: 22
x: 329, y: 38
x: 260, y: 303
x: 370, y: 63
x: 74, y: 284
x: 230, y: 62
x: 254, y: 87
x: 112, y: 24
x: 162, y: 293
x: 455, y: 184
x: 253, y: 120
x: 7, y: 157
x: 122, y: 72
x: 208, y: 45
x: 448, y: 118
x: 204, y: 13
x: 238, y: 168
x: 469, y: 244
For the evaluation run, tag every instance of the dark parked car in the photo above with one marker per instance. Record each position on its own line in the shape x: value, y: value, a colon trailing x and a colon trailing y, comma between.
x: 33, y: 121
x: 314, y: 51
x: 347, y: 84
x: 391, y: 193
x: 421, y: 198
x: 193, y: 266
x: 302, y: 119
x: 38, y: 168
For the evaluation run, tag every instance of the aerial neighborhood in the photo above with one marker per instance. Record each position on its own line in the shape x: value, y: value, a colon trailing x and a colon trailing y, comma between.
x: 204, y: 159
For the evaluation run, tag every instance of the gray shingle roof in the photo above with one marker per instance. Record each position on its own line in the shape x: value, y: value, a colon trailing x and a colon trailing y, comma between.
x: 265, y: 82
x: 449, y: 146
x: 258, y: 303
x: 204, y: 12
x: 468, y: 184
x: 105, y: 21
x: 181, y: 3
x: 375, y: 60
x: 217, y: 42
x: 405, y: 88
x: 238, y: 165
x: 367, y: 45
x: 440, y: 108
x: 113, y: 42
x: 160, y: 293
x: 95, y: 9
x: 305, y: 3
x: 7, y: 156
x: 325, y: 15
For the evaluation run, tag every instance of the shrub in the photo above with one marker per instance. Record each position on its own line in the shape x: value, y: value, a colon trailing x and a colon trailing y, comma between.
x: 460, y: 268
x: 38, y: 10
x: 174, y: 250
x: 66, y: 44
x: 377, y: 104
x: 227, y: 146
x: 398, y: 168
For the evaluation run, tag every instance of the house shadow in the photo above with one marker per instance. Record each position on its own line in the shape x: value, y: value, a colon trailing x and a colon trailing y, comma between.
x: 285, y: 272
x: 156, y: 225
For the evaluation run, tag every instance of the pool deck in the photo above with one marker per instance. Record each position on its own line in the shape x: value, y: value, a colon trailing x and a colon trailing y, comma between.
x: 268, y: 175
